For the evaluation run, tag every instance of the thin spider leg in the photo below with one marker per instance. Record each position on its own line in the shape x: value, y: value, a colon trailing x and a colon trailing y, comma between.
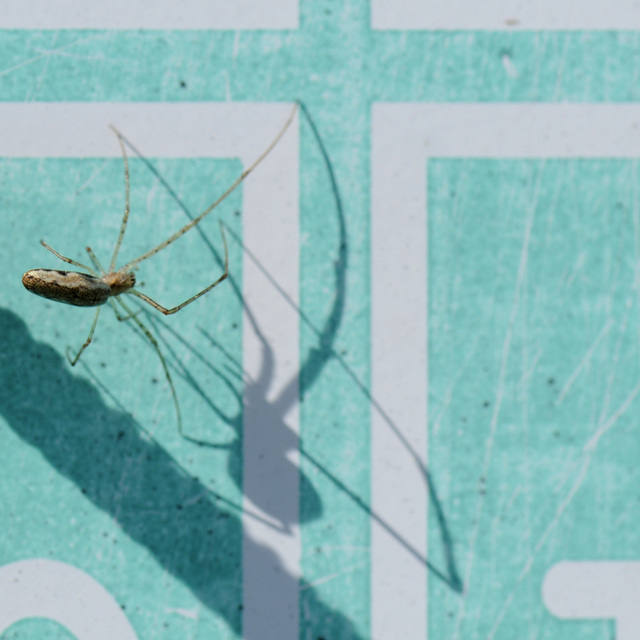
x: 228, y: 192
x: 118, y: 316
x: 168, y: 312
x: 67, y: 260
x: 94, y: 260
x: 87, y: 342
x: 154, y: 343
x: 125, y: 217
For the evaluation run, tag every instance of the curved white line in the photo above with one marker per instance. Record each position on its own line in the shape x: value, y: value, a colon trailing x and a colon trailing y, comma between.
x: 41, y: 588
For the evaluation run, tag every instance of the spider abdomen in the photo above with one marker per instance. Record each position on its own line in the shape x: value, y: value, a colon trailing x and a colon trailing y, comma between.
x: 69, y: 287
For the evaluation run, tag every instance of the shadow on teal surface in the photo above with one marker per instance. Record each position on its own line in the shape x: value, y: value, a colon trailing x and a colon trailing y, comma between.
x: 318, y: 357
x: 277, y: 434
x: 94, y: 446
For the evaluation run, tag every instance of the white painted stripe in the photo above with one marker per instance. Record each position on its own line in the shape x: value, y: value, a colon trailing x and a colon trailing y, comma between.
x: 270, y: 217
x: 149, y: 14
x: 159, y: 130
x: 505, y: 14
x: 520, y: 130
x: 270, y: 456
x: 404, y: 137
x: 41, y: 588
x: 596, y: 590
x: 399, y: 379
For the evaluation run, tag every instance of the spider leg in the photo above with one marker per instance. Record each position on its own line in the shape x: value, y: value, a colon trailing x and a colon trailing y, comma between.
x: 168, y: 312
x: 133, y: 316
x: 87, y: 342
x: 118, y: 316
x: 67, y: 260
x: 125, y: 217
x: 94, y: 260
x: 207, y: 211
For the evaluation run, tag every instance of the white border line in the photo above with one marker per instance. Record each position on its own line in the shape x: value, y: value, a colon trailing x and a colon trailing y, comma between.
x: 42, y: 588
x: 505, y: 15
x: 270, y: 219
x: 149, y: 14
x: 404, y: 137
x: 399, y: 378
x: 596, y: 590
x: 271, y: 558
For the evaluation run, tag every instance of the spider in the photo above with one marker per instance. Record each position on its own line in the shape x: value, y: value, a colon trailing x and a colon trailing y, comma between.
x: 99, y: 286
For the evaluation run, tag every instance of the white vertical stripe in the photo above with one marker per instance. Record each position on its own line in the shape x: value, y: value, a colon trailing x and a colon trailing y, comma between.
x: 149, y: 14
x: 498, y: 15
x: 399, y: 377
x: 404, y: 137
x: 270, y: 468
x: 270, y: 214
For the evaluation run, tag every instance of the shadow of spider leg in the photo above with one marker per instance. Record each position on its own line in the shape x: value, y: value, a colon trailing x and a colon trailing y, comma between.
x: 96, y: 287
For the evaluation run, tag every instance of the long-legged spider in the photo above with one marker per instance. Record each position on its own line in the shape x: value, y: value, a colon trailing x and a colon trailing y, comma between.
x: 97, y: 287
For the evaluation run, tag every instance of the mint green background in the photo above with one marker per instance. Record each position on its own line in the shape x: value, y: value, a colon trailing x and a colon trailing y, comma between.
x: 338, y: 66
x: 37, y: 628
x: 541, y: 320
x: 105, y: 434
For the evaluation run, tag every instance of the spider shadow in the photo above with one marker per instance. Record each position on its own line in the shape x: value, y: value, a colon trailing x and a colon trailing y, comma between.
x: 190, y: 530
x: 277, y: 436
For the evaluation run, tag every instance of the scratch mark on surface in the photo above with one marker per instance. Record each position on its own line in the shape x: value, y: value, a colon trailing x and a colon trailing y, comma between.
x: 236, y: 46
x: 203, y: 495
x: 191, y: 614
x: 602, y: 430
x: 95, y: 174
x: 613, y: 363
x: 334, y: 575
x: 562, y: 507
x: 460, y: 192
x: 526, y: 374
x: 509, y: 67
x: 43, y: 74
x: 346, y: 547
x: 47, y: 54
x: 512, y: 500
x: 585, y: 361
x: 500, y: 389
x: 588, y: 452
x: 577, y: 268
x: 446, y: 402
x: 539, y: 43
x: 561, y: 64
x: 227, y: 86
x: 636, y: 221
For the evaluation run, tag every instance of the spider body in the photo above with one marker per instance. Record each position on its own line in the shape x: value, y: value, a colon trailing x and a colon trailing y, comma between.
x: 77, y: 289
x: 99, y: 285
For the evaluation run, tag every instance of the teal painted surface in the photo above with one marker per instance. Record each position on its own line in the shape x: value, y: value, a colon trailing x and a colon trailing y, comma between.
x: 338, y: 66
x: 333, y: 380
x: 101, y: 478
x: 334, y: 58
x: 35, y: 628
x: 533, y: 348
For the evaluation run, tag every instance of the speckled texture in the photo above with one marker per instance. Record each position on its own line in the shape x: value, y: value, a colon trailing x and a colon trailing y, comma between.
x: 108, y: 498
x: 534, y: 348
